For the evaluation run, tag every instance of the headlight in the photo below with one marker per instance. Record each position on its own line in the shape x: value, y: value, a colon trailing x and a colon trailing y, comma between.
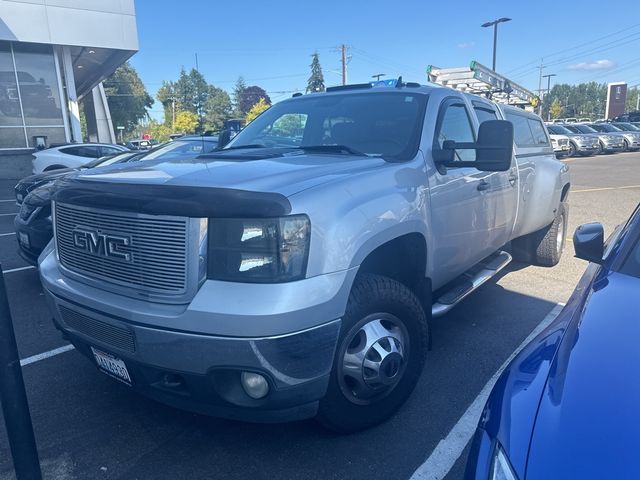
x: 263, y: 250
x: 500, y: 467
x: 26, y: 210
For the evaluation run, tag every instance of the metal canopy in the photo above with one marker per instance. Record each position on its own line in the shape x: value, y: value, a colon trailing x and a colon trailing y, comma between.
x: 480, y: 80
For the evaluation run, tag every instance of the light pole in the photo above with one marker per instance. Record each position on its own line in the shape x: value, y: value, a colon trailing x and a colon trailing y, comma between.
x: 494, y: 24
x: 548, y: 77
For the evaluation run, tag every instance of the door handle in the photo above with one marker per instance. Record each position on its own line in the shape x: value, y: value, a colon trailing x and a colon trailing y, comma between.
x: 483, y: 185
x: 512, y: 179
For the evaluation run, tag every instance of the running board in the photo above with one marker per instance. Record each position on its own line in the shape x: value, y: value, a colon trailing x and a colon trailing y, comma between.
x: 469, y: 281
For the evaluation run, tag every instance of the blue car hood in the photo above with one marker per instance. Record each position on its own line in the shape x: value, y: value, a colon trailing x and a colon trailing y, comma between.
x: 588, y: 422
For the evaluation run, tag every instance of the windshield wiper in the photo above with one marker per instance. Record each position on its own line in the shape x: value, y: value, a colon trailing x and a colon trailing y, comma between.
x: 331, y: 149
x: 238, y: 147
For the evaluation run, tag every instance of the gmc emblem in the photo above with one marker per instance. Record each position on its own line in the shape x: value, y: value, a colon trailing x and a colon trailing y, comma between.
x: 101, y: 244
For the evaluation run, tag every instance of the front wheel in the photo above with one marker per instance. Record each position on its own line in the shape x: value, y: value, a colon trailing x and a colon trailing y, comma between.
x: 626, y: 146
x: 572, y: 149
x: 380, y: 355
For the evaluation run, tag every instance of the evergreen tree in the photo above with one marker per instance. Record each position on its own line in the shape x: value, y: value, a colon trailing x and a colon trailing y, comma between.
x: 316, y: 80
x: 238, y: 94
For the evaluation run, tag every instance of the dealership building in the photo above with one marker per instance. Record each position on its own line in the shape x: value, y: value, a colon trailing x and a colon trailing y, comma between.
x: 54, y: 53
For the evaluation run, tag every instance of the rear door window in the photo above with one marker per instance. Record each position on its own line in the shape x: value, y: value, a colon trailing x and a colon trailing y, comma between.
x: 521, y: 131
x: 87, y: 151
x: 537, y: 129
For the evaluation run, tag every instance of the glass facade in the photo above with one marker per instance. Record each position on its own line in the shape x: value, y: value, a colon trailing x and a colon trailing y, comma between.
x: 30, y: 103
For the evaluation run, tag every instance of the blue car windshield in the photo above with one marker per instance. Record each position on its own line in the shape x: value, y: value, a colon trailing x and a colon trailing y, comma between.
x: 381, y: 124
x: 631, y: 264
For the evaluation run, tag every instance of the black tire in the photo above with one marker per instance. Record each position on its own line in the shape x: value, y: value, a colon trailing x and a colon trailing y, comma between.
x: 600, y: 148
x: 572, y: 149
x: 544, y: 247
x: 373, y: 296
x: 626, y: 147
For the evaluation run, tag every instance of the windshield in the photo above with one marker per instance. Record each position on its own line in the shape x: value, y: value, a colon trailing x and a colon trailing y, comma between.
x: 605, y: 127
x: 108, y: 160
x: 631, y: 263
x: 381, y: 124
x: 182, y: 149
x: 583, y: 129
x: 559, y: 130
x: 626, y: 127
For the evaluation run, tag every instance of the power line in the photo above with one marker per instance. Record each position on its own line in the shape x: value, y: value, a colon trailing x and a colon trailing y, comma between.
x: 558, y: 52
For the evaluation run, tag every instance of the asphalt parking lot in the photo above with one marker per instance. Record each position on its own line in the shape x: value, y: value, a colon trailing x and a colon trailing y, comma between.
x: 88, y: 426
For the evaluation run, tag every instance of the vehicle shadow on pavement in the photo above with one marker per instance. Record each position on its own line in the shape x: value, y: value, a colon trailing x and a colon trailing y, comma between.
x: 101, y: 429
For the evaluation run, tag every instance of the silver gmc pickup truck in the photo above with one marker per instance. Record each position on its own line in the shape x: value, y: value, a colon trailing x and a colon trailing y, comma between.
x: 293, y: 273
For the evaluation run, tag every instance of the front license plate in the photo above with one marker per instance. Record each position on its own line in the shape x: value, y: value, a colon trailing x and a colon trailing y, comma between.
x: 24, y: 239
x: 112, y: 366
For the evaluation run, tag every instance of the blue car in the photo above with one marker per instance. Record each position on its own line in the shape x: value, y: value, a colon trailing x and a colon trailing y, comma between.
x: 568, y: 406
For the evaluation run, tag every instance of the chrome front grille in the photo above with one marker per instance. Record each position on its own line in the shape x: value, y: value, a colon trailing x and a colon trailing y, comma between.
x: 149, y: 253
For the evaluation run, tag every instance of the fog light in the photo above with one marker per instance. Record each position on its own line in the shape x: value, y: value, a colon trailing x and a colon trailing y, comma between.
x: 254, y: 384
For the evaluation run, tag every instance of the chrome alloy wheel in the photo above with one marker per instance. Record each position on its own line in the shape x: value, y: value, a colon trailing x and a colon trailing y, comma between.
x: 373, y: 358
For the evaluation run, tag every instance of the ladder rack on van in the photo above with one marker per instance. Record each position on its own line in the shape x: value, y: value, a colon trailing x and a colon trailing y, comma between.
x: 480, y: 80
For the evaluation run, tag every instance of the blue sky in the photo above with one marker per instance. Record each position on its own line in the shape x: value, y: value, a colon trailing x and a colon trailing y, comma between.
x: 270, y: 43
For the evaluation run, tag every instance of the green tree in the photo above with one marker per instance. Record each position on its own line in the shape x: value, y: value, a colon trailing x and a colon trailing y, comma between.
x: 555, y: 109
x: 316, y: 80
x: 259, y: 107
x: 127, y: 97
x: 186, y: 122
x: 582, y: 100
x: 238, y: 94
x: 632, y: 99
x: 166, y: 95
x: 158, y: 131
x: 217, y: 108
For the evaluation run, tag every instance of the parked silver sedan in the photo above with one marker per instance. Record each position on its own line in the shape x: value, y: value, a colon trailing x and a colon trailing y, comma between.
x: 608, y: 142
x: 622, y: 138
x: 631, y: 134
x: 579, y: 143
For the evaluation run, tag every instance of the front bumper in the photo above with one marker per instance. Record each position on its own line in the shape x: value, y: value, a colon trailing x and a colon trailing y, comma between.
x: 296, y: 363
x: 32, y: 237
x: 615, y: 146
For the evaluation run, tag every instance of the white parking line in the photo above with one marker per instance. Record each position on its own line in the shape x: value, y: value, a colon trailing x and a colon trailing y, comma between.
x: 449, y: 449
x: 45, y: 355
x: 8, y: 214
x: 10, y: 200
x: 29, y: 267
x: 7, y: 234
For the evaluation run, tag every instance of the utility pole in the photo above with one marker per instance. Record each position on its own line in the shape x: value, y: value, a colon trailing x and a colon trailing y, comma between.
x: 548, y: 77
x: 173, y: 117
x: 343, y: 57
x: 540, y: 86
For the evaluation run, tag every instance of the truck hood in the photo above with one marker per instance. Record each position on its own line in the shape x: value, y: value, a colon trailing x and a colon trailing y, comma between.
x: 267, y: 170
x: 588, y: 422
x: 229, y: 183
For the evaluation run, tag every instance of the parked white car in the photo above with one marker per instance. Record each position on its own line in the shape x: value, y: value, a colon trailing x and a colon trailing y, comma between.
x: 72, y: 155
